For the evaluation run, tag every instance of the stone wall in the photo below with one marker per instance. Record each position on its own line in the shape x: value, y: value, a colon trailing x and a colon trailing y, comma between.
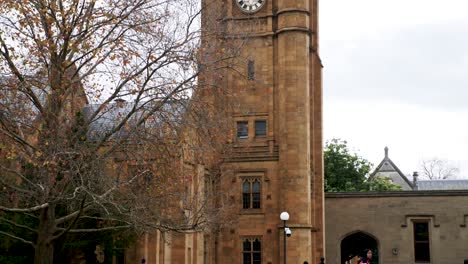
x: 389, y: 217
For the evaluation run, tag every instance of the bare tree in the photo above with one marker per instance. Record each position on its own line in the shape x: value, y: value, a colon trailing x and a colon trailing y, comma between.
x: 438, y: 169
x: 100, y: 108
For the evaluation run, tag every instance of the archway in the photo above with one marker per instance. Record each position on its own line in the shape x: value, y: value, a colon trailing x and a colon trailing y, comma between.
x: 356, y: 243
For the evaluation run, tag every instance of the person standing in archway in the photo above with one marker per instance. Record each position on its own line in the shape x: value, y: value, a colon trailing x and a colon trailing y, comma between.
x: 366, y: 257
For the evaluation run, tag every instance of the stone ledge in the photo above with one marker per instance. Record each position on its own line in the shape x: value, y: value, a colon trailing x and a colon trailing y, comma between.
x: 299, y: 226
x: 397, y: 194
x: 293, y: 10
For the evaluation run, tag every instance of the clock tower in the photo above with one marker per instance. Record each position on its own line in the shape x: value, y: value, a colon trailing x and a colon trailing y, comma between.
x: 277, y: 163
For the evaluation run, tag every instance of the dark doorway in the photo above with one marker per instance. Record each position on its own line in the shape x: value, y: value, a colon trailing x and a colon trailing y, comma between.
x: 356, y: 243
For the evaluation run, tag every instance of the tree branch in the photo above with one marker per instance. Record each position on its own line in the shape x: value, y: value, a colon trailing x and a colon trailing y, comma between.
x: 18, y: 238
x: 80, y: 211
x: 6, y: 55
x: 18, y: 225
x: 17, y: 189
x: 71, y: 216
x: 91, y: 230
x: 25, y: 210
x: 17, y: 173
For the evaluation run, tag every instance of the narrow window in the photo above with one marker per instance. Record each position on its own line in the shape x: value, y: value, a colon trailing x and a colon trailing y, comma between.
x: 242, y: 129
x: 251, y: 70
x: 189, y: 260
x: 256, y: 194
x: 260, y: 128
x: 421, y: 242
x: 251, y: 194
x: 252, y: 251
x: 257, y: 251
x: 246, y: 195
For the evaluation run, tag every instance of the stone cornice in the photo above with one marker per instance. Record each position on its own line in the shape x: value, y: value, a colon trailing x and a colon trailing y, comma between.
x: 298, y: 226
x: 250, y: 35
x: 397, y: 194
x: 252, y: 159
x: 292, y: 10
x: 253, y: 153
x: 289, y: 29
x: 251, y: 17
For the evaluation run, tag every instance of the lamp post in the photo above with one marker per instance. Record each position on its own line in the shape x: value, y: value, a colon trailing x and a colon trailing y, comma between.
x: 284, y: 216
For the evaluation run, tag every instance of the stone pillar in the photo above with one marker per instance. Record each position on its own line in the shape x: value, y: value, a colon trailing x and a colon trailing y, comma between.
x: 316, y: 144
x: 293, y: 72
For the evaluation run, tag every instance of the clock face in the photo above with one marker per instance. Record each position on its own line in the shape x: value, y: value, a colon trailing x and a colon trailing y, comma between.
x: 250, y: 6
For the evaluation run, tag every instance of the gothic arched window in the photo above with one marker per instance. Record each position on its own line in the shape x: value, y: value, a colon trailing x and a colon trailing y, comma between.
x: 252, y: 251
x: 251, y: 193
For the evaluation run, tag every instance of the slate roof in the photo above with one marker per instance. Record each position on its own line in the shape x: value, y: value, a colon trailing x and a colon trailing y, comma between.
x: 424, y: 185
x: 111, y: 116
x: 387, y: 165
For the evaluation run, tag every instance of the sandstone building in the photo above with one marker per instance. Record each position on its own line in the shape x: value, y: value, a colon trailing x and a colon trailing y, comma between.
x: 425, y: 223
x: 277, y: 161
x: 278, y: 164
x: 400, y: 227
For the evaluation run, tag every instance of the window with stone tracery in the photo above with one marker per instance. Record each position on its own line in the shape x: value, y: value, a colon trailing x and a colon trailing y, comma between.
x: 251, y: 193
x: 252, y: 250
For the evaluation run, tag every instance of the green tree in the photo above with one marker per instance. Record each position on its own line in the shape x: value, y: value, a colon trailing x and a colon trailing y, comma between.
x: 377, y: 184
x: 348, y: 172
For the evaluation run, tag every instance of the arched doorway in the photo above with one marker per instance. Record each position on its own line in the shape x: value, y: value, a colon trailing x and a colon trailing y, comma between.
x: 356, y: 243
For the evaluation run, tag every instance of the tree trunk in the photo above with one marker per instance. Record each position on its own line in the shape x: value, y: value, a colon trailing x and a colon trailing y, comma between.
x: 44, y: 249
x: 44, y: 253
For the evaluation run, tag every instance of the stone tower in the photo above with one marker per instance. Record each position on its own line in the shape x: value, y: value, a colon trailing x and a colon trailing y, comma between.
x: 277, y: 162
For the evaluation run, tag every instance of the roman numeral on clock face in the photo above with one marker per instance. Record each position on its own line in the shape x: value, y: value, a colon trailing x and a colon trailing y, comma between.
x: 250, y: 6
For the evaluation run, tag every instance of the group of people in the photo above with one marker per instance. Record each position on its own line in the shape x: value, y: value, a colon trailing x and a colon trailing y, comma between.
x: 367, y: 257
x: 364, y: 259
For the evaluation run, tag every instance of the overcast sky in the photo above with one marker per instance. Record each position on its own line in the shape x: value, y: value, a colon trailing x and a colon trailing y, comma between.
x: 396, y: 75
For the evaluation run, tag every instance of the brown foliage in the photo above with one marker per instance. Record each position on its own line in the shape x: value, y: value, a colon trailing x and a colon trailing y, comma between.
x: 103, y: 115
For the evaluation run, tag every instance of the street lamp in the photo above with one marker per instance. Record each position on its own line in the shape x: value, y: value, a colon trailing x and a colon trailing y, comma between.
x: 284, y: 216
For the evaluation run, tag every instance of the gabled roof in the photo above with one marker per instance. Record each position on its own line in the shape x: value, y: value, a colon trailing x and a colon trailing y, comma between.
x: 387, y: 165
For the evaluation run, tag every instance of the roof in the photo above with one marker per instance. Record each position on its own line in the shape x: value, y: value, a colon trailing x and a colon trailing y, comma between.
x: 442, y: 185
x: 387, y: 165
x: 111, y: 116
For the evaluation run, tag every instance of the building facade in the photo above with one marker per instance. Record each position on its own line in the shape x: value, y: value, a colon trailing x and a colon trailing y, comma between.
x: 400, y: 227
x: 424, y: 223
x: 277, y: 164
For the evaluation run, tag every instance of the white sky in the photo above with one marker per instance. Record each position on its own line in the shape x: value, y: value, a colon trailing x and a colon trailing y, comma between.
x: 396, y: 75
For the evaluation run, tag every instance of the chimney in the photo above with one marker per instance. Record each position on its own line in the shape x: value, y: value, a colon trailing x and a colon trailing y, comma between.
x: 386, y: 152
x: 415, y: 180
